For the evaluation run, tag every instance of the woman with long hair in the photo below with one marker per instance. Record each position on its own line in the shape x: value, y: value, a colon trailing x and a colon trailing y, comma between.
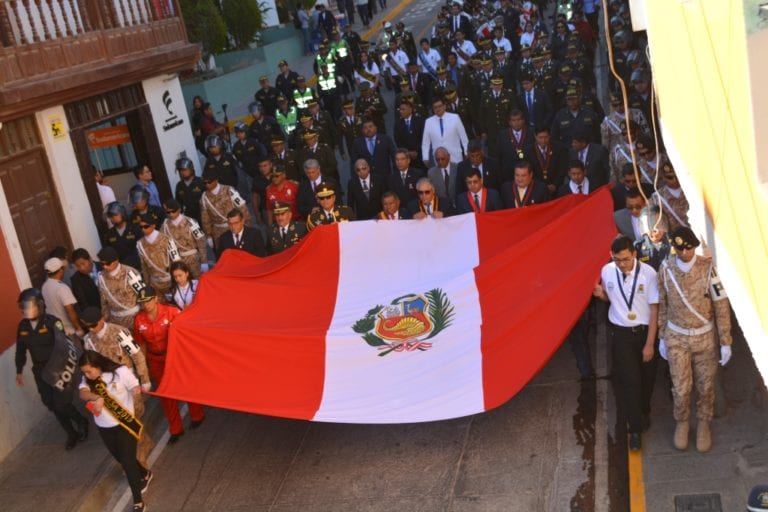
x: 184, y: 287
x: 109, y: 390
x: 367, y: 71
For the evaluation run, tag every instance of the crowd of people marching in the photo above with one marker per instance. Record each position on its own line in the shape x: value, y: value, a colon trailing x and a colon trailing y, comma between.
x: 498, y: 107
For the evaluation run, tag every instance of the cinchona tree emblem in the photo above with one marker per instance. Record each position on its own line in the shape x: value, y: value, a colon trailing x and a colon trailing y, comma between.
x: 407, y: 323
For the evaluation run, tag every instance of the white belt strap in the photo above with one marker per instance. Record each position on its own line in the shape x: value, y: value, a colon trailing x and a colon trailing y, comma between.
x: 143, y: 252
x: 671, y: 210
x: 112, y: 297
x: 691, y: 332
x: 628, y: 158
x: 209, y: 204
x: 668, y: 272
x: 191, y: 252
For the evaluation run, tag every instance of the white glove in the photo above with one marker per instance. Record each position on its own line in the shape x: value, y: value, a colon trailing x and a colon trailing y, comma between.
x: 663, y: 349
x: 725, y: 354
x: 204, y: 267
x: 210, y: 242
x: 147, y: 386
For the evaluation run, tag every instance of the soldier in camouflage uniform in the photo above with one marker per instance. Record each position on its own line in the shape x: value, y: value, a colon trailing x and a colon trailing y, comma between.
x: 285, y: 232
x: 671, y: 198
x: 694, y: 313
x: 621, y: 154
x: 119, y: 285
x: 610, y: 129
x: 156, y: 251
x: 217, y: 200
x: 188, y: 237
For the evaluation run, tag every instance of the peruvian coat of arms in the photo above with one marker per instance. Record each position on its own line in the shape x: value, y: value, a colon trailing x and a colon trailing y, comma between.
x: 407, y: 323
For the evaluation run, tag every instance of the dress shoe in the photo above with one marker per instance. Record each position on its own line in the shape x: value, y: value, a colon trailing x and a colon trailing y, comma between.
x: 82, y: 431
x: 635, y: 443
x: 71, y: 442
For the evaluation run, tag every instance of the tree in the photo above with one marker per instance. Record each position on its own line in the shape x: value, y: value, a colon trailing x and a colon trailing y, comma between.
x: 243, y: 19
x: 205, y: 25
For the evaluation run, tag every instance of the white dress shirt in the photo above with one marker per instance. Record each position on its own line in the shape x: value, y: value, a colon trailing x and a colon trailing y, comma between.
x: 575, y: 187
x: 646, y: 293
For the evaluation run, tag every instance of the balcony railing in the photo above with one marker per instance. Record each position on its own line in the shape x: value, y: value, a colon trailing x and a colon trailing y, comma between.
x: 53, y: 46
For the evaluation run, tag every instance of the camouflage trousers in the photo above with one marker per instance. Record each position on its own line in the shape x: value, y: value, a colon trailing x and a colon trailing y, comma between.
x: 693, y: 360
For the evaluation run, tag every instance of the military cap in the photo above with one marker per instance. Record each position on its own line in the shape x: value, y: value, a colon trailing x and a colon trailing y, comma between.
x: 365, y: 86
x: 312, y: 103
x: 615, y: 99
x: 364, y: 44
x: 485, y: 61
x: 147, y: 218
x: 280, y: 207
x: 309, y: 134
x: 571, y: 48
x: 565, y: 69
x: 450, y: 92
x: 441, y: 69
x: 107, y: 255
x: 210, y: 175
x: 571, y: 93
x: 525, y: 48
x: 146, y: 294
x: 301, y: 78
x: 171, y: 205
x: 348, y: 103
x: 544, y: 49
x: 282, y: 62
x: 263, y: 78
x: 324, y: 190
x: 240, y: 127
x: 484, y: 41
x: 475, y: 61
x: 90, y: 317
x: 499, y: 51
x: 497, y: 80
x: 684, y: 238
x: 305, y: 116
x: 281, y: 98
x: 277, y: 140
x: 404, y: 81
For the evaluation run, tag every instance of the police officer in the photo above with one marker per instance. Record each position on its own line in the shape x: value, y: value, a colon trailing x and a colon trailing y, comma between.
x: 139, y: 198
x: 495, y: 107
x: 43, y: 336
x: 267, y: 96
x: 320, y: 152
x: 328, y: 212
x: 287, y: 81
x: 287, y: 115
x: 694, y: 328
x: 123, y: 235
x: 220, y: 161
x: 285, y: 231
x: 248, y: 152
x: 350, y: 126
x: 189, y: 188
x: 302, y: 94
x: 263, y: 127
x: 573, y: 118
x: 285, y: 159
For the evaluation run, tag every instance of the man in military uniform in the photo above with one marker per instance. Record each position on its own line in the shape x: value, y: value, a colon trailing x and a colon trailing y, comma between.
x: 267, y: 96
x: 285, y: 231
x: 189, y: 189
x: 325, y: 57
x: 329, y: 212
x: 285, y: 159
x: 350, y: 127
x: 694, y: 329
x: 371, y: 104
x: 407, y: 42
x: 188, y: 236
x: 308, y: 123
x: 302, y: 94
x: 441, y: 83
x: 156, y: 252
x: 621, y: 153
x: 123, y: 235
x: 139, y: 198
x: 672, y: 199
x: 280, y: 190
x: 573, y: 118
x: 263, y: 127
x: 502, y: 67
x: 118, y: 286
x: 39, y: 333
x: 481, y: 80
x: 494, y: 109
x: 343, y: 58
x: 220, y: 162
x: 217, y: 200
x: 247, y: 150
x: 287, y: 81
x: 320, y: 152
x: 467, y: 112
x: 287, y: 116
x: 610, y: 128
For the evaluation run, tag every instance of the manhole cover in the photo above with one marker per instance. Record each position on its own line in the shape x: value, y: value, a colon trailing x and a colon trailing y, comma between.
x: 698, y: 503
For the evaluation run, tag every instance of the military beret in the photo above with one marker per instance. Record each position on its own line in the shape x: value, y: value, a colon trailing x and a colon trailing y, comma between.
x: 90, y: 317
x: 107, y: 255
x: 210, y: 175
x: 324, y: 190
x: 146, y: 294
x: 684, y: 238
x: 280, y: 207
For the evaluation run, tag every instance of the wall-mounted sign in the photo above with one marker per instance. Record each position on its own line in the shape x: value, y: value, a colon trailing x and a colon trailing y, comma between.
x: 172, y: 121
x: 106, y: 137
x: 57, y: 128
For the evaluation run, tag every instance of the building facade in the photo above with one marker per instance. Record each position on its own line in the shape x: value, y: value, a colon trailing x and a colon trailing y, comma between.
x: 85, y: 85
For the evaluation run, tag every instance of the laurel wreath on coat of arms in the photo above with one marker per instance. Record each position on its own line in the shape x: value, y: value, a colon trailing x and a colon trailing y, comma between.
x: 406, y: 323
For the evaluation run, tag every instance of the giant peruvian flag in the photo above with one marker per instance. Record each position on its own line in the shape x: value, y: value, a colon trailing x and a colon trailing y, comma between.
x: 392, y: 321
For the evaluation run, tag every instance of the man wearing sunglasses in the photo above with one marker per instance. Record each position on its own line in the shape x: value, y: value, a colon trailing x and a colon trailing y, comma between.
x: 428, y: 203
x: 672, y: 199
x: 329, y: 212
x: 156, y: 252
x: 188, y: 237
x: 217, y: 200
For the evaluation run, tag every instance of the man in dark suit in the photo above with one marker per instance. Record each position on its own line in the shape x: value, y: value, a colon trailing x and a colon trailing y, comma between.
x: 84, y: 280
x: 515, y: 143
x: 577, y: 183
x: 320, y: 152
x: 593, y: 156
x: 493, y: 177
x: 376, y: 148
x: 478, y: 198
x: 364, y: 191
x: 240, y: 236
x: 444, y: 175
x: 420, y: 83
x: 391, y: 209
x: 428, y: 204
x: 403, y: 181
x: 524, y: 190
x: 626, y: 186
x: 409, y: 131
x: 535, y: 103
x: 459, y: 20
x: 305, y: 197
x: 549, y: 160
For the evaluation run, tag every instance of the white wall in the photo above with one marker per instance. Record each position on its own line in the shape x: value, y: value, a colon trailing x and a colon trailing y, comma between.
x: 68, y: 182
x: 171, y: 120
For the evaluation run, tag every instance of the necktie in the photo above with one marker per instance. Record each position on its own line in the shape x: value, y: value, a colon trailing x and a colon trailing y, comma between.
x: 455, y: 24
x: 446, y: 179
x: 441, y: 127
x: 529, y: 101
x: 580, y: 189
x: 429, y: 209
x: 366, y: 190
x: 413, y: 82
x: 403, y: 175
x: 282, y: 234
x: 237, y: 240
x: 477, y: 202
x: 328, y: 216
x: 408, y: 124
x: 517, y: 137
x: 495, y: 95
x: 370, y: 146
x: 313, y: 187
x: 349, y: 120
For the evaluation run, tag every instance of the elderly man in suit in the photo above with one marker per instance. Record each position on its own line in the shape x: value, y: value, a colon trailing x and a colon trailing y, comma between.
x: 409, y: 131
x: 428, y: 203
x: 444, y: 175
x: 593, y: 156
x: 364, y: 191
x: 240, y: 236
x: 376, y: 148
x: 443, y: 129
